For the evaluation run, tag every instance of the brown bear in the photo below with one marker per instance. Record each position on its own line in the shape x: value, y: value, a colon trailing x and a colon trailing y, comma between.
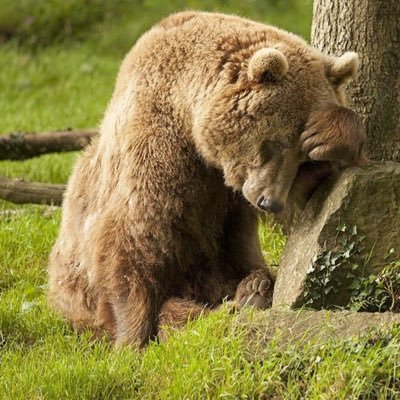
x: 211, y: 119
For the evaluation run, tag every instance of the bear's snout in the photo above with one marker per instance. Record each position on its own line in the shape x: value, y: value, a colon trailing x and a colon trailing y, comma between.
x: 269, y: 204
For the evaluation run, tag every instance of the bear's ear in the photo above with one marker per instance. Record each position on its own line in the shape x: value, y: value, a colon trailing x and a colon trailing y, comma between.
x: 342, y: 69
x: 267, y: 65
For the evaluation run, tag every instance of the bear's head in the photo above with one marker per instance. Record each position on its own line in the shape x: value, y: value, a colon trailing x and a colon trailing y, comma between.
x: 272, y: 112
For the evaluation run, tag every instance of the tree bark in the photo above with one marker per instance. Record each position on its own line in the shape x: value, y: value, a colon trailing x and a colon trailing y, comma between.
x: 372, y: 29
x: 21, y: 192
x: 20, y: 146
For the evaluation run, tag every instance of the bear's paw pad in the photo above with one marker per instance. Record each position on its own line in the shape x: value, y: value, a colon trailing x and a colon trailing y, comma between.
x: 255, y: 290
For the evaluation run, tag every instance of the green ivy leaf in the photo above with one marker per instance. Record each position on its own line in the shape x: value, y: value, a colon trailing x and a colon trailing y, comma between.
x: 341, y: 228
x: 355, y: 284
x: 328, y: 289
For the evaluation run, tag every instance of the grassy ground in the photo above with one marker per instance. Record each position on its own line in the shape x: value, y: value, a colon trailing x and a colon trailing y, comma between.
x: 57, y: 72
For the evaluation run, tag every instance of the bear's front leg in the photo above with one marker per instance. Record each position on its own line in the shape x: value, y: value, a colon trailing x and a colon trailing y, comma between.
x: 256, y: 290
x: 255, y: 285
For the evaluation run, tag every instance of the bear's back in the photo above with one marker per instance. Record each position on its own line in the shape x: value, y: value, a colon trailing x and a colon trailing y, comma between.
x: 194, y: 47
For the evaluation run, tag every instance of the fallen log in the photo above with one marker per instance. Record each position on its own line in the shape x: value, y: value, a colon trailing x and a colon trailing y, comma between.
x: 21, y: 192
x: 20, y: 146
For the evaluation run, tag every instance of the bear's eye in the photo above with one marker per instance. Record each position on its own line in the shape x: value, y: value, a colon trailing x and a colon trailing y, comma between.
x: 268, y: 150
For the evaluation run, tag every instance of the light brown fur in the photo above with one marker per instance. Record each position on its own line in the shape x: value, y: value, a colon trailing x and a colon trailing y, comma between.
x: 155, y: 224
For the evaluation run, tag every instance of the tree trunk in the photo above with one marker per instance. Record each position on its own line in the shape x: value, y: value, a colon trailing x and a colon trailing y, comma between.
x: 21, y: 192
x: 372, y: 29
x: 20, y: 146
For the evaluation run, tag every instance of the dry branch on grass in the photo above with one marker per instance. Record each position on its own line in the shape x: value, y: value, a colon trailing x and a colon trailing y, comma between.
x: 20, y: 192
x: 20, y: 146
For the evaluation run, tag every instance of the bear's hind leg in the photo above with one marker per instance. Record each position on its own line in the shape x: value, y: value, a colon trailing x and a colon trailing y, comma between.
x: 176, y: 312
x: 136, y: 315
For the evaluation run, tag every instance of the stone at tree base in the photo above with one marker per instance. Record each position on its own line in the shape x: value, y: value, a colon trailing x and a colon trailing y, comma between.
x: 305, y: 326
x: 368, y: 199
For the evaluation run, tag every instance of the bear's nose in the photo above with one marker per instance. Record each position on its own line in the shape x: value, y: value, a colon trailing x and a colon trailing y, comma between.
x: 271, y: 205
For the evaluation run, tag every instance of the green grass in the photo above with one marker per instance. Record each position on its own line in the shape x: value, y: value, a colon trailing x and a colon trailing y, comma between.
x: 54, y: 168
x: 68, y: 85
x: 215, y: 357
x: 42, y: 22
x: 57, y: 71
x: 272, y: 242
x: 55, y: 88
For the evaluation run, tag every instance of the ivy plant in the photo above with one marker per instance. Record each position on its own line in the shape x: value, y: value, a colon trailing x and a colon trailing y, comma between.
x: 341, y: 270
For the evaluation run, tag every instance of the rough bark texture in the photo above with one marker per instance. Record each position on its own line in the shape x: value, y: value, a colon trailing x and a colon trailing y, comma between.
x: 366, y: 198
x: 19, y: 146
x: 20, y: 192
x: 372, y: 29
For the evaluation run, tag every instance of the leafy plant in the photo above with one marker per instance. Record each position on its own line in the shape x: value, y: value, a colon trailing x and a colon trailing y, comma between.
x: 379, y: 292
x: 325, y: 274
x: 340, y: 270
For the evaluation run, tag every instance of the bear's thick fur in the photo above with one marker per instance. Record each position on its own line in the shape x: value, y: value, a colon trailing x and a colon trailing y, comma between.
x: 211, y: 118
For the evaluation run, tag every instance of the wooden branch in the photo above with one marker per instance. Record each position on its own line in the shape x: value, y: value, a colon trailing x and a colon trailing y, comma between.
x: 20, y: 146
x: 21, y: 192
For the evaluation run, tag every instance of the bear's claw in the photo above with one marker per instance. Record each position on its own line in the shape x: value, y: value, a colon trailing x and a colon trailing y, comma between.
x: 255, y: 290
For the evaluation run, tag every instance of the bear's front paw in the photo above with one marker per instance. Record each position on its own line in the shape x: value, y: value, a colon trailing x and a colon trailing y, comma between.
x: 334, y: 133
x: 255, y: 290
